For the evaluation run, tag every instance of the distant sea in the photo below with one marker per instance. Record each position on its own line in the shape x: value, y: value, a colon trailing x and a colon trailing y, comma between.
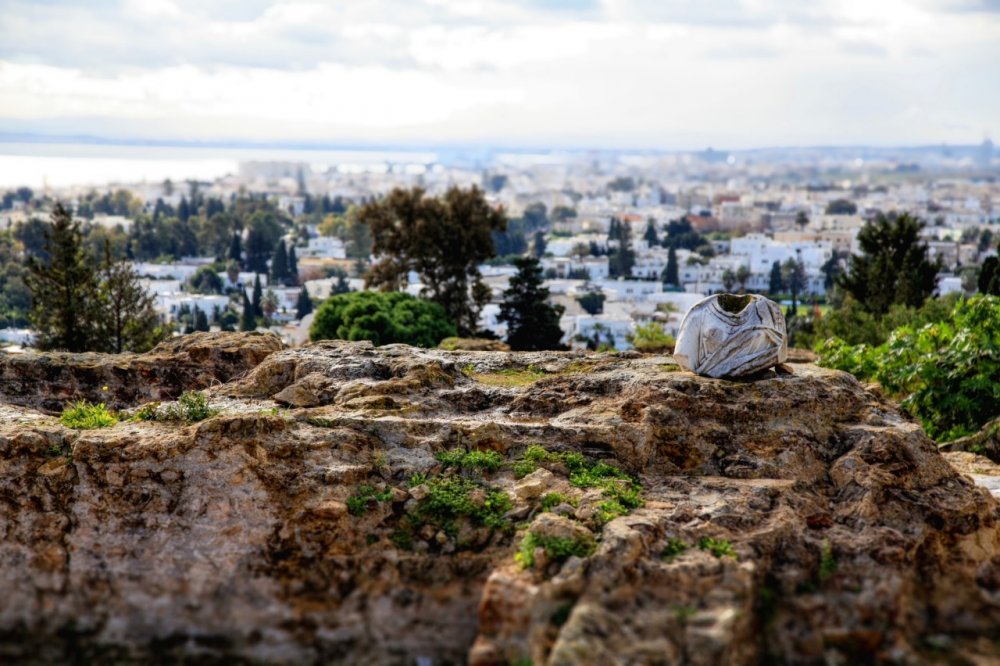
x: 37, y: 165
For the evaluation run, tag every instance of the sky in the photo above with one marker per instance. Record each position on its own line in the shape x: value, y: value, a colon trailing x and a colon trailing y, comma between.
x: 654, y: 74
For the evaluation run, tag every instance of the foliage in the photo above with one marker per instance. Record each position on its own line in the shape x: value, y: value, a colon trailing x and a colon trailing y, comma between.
x: 945, y: 372
x: 671, y: 273
x: 841, y: 207
x: 357, y: 504
x: 15, y: 297
x: 304, y: 304
x: 650, y: 338
x: 126, y: 320
x: 532, y: 324
x: 383, y: 318
x: 988, y: 281
x: 717, y: 547
x: 894, y: 266
x: 205, y: 281
x: 557, y: 549
x: 451, y: 498
x: 674, y: 547
x: 83, y: 415
x: 64, y: 289
x: 442, y: 239
x: 552, y: 500
x: 592, y: 302
x: 855, y: 325
x: 191, y: 407
x: 483, y: 461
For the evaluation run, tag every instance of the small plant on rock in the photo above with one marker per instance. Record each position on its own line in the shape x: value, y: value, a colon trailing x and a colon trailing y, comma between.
x: 717, y: 547
x: 83, y: 415
x: 557, y: 549
x: 674, y: 548
x: 481, y: 461
x: 827, y: 562
x: 357, y: 504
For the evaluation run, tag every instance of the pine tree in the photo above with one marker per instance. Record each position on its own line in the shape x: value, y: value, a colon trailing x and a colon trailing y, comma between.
x: 248, y: 322
x: 304, y: 305
x: 64, y: 289
x: 776, y: 284
x: 623, y: 258
x: 671, y: 274
x: 258, y: 293
x: 127, y: 319
x: 532, y: 324
x: 279, y: 263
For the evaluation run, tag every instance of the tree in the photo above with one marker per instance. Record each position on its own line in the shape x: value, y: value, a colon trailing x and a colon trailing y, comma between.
x: 248, y: 320
x: 279, y: 263
x: 256, y: 297
x: 442, y: 239
x: 893, y: 267
x: 650, y: 236
x: 592, y: 302
x: 269, y: 303
x: 532, y: 324
x: 728, y: 279
x: 64, y: 289
x: 293, y: 268
x: 383, y: 318
x: 743, y: 275
x: 206, y: 281
x: 801, y: 219
x: 538, y: 246
x: 200, y: 319
x: 622, y: 259
x: 989, y: 277
x: 793, y: 275
x: 126, y: 318
x: 776, y: 283
x: 236, y: 249
x: 233, y: 271
x: 671, y: 274
x: 841, y: 207
x: 303, y: 305
x: 831, y: 269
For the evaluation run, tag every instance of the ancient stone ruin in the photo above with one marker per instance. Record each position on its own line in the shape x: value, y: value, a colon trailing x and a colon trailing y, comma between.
x: 346, y: 504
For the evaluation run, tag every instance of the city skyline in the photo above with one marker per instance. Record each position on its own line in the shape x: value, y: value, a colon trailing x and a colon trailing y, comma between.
x: 601, y: 74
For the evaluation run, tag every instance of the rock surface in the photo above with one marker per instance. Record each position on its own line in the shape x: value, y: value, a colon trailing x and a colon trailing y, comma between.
x: 794, y: 519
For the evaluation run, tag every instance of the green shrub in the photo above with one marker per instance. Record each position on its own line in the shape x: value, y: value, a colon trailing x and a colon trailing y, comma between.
x: 483, y: 461
x: 451, y: 498
x: 944, y: 373
x: 382, y: 318
x: 357, y: 504
x: 651, y: 339
x: 558, y: 549
x: 194, y: 407
x: 552, y: 500
x: 83, y: 415
x: 717, y: 547
x: 673, y: 548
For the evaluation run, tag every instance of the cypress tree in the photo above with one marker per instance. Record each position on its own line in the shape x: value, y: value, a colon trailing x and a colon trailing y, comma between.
x: 776, y: 283
x: 257, y: 295
x: 248, y: 322
x: 532, y: 324
x: 200, y: 320
x: 236, y: 249
x: 304, y: 305
x: 293, y: 267
x: 279, y: 263
x: 671, y: 274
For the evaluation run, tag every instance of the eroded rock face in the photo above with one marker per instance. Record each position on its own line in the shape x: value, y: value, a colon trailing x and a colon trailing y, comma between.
x: 190, y: 362
x: 797, y: 519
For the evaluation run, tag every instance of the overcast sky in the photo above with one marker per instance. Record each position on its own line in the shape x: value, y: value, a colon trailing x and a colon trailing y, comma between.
x: 603, y: 73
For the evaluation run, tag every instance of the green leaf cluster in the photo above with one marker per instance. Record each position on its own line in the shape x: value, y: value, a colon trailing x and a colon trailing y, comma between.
x: 947, y: 374
x: 383, y: 318
x: 558, y: 549
x: 481, y: 461
x: 357, y: 504
x: 83, y: 415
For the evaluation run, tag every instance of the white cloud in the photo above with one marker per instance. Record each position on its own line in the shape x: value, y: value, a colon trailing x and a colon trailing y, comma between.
x: 672, y: 73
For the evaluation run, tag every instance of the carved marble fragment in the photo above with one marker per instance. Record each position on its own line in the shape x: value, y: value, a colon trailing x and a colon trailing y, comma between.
x: 728, y: 335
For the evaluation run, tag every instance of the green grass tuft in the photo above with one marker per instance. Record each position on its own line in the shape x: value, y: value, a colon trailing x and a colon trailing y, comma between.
x: 827, y: 562
x: 674, y: 548
x: 558, y: 549
x: 717, y: 547
x: 83, y: 415
x: 481, y: 461
x: 357, y: 504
